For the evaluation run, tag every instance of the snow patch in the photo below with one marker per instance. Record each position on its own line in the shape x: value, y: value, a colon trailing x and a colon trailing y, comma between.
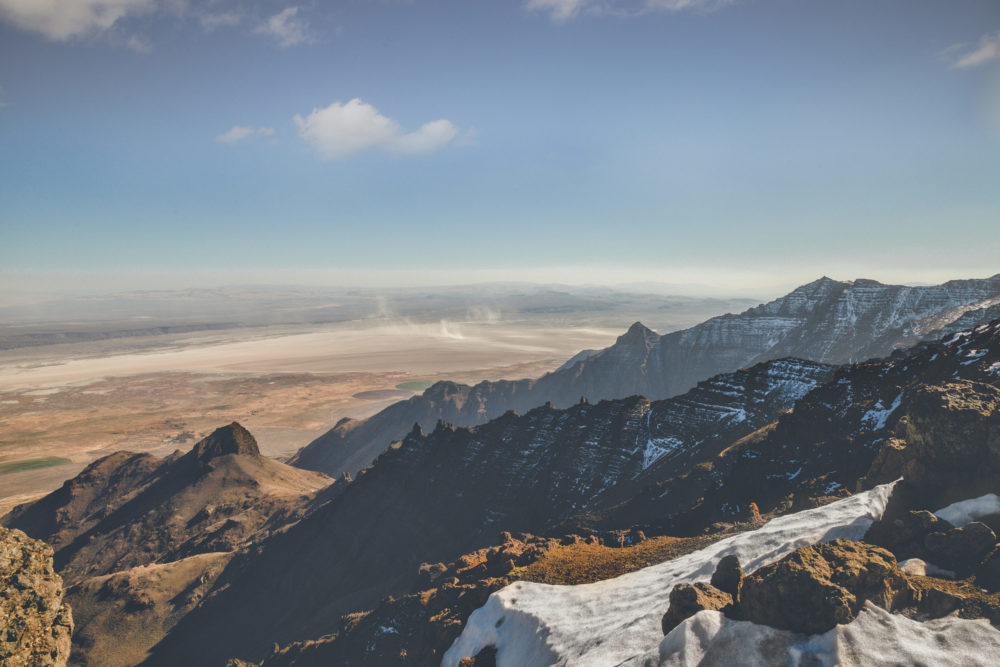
x: 921, y: 568
x: 967, y: 511
x: 657, y: 449
x: 876, y: 418
x: 973, y: 356
x: 610, y: 621
x: 875, y: 637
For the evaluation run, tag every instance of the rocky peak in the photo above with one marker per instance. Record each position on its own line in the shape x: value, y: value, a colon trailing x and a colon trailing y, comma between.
x: 232, y: 439
x: 638, y: 334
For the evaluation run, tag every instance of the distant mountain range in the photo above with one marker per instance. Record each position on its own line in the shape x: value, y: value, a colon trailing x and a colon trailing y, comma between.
x: 826, y: 321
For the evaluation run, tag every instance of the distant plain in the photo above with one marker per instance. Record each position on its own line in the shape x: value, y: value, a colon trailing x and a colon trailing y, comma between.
x: 80, y: 379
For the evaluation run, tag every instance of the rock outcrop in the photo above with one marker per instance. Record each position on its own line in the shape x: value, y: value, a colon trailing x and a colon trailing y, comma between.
x: 232, y: 439
x: 920, y: 534
x: 728, y: 577
x: 819, y: 586
x: 36, y: 625
x: 686, y: 600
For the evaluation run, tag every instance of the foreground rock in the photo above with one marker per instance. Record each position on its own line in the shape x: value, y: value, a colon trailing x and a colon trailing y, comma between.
x: 35, y: 624
x: 819, y: 586
x: 686, y: 600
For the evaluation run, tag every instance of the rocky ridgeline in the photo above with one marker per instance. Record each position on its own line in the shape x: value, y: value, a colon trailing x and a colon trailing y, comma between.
x: 35, y: 624
x: 826, y: 321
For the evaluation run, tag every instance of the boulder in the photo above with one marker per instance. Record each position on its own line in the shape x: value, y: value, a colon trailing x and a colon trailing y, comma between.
x: 988, y: 573
x: 819, y: 586
x: 961, y: 549
x: 728, y: 577
x: 905, y: 534
x: 686, y: 600
x: 920, y: 534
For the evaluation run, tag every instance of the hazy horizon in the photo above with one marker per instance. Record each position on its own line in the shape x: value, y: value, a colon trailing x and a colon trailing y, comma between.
x: 718, y: 284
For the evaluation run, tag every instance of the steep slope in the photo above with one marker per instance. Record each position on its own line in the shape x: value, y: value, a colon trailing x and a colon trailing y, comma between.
x: 434, y: 496
x: 126, y: 510
x: 35, y: 623
x: 121, y: 616
x: 825, y: 321
x: 852, y: 428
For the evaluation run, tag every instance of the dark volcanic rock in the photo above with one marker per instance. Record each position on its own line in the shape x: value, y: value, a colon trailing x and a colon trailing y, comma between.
x: 728, y: 577
x: 819, y: 586
x: 686, y: 600
x: 905, y: 535
x: 35, y: 624
x: 232, y: 439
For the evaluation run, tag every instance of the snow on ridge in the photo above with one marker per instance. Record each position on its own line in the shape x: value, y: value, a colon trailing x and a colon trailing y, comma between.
x: 876, y: 418
x: 657, y: 448
x: 875, y: 637
x: 611, y: 621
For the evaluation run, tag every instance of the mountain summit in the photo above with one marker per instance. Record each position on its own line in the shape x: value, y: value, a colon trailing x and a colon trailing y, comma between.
x: 232, y: 439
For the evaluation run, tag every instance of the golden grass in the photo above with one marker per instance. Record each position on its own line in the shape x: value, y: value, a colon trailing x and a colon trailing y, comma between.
x: 583, y: 563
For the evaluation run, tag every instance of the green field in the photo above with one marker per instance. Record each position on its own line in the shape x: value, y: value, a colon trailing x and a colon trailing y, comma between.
x: 8, y: 467
x: 418, y: 385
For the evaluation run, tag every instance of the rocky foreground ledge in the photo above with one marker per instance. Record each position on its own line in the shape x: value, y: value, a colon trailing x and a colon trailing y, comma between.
x: 35, y: 624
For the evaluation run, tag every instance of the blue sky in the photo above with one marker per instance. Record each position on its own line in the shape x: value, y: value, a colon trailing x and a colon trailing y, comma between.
x: 747, y: 145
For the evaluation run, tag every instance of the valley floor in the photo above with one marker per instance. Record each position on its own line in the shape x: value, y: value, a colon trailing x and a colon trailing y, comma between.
x: 63, y: 406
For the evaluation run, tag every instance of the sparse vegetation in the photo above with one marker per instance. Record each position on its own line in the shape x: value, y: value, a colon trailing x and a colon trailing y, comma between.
x: 8, y: 467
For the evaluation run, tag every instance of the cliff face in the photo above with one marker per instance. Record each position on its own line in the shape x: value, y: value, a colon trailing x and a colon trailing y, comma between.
x: 825, y: 321
x: 35, y: 624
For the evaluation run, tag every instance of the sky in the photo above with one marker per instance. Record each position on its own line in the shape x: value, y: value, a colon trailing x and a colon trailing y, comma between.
x: 734, y: 146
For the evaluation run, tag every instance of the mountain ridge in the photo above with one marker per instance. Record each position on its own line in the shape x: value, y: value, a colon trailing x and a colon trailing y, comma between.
x: 827, y: 321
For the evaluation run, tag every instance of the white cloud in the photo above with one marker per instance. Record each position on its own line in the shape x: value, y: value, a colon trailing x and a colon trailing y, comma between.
x: 961, y: 56
x: 341, y: 130
x: 564, y: 10
x: 241, y: 132
x: 286, y: 27
x: 64, y: 19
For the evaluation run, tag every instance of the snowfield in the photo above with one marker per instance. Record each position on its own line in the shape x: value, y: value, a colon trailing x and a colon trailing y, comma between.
x: 617, y: 621
x: 875, y: 637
